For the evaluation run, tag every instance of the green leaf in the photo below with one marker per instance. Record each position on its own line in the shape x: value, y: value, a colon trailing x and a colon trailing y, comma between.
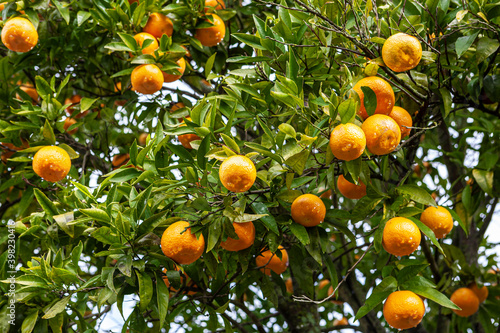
x: 347, y: 110
x: 150, y: 224
x: 97, y: 214
x: 463, y: 43
x: 162, y: 295
x: 230, y: 143
x: 428, y: 232
x: 486, y: 47
x: 433, y: 295
x: 247, y: 60
x: 447, y: 101
x: 47, y: 205
x: 145, y: 289
x: 81, y: 17
x: 300, y: 232
x: 57, y: 308
x: 409, y: 272
x: 379, y: 294
x: 63, y: 10
x: 86, y: 103
x: 298, y: 161
x: 288, y: 130
x: 417, y: 194
x: 269, y: 221
x: 43, y: 87
x: 48, y: 132
x: 209, y: 64
x: 214, y: 233
x: 369, y: 100
x: 248, y: 217
x: 104, y: 235
x: 484, y: 179
x: 250, y: 40
x: 29, y: 322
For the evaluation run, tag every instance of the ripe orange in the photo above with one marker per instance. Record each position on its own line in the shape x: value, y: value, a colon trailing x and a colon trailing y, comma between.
x: 323, y: 283
x: 481, y: 293
x: 237, y: 173
x: 347, y: 142
x: 6, y: 154
x: 185, y: 280
x: 19, y: 35
x: 438, y: 219
x: 403, y: 309
x: 289, y: 285
x: 403, y: 119
x: 382, y: 134
x: 52, y: 163
x: 383, y: 91
x: 2, y: 6
x: 246, y: 237
x: 141, y: 37
x: 159, y: 24
x: 271, y: 262
x: 308, y: 210
x: 211, y: 5
x: 341, y: 322
x: 75, y: 99
x: 142, y: 139
x: 120, y: 160
x: 467, y: 300
x: 401, y: 52
x: 334, y: 301
x: 172, y: 77
x: 400, y: 236
x: 181, y: 245
x: 177, y: 106
x: 147, y: 79
x: 67, y: 124
x: 350, y: 190
x: 326, y: 195
x: 29, y: 89
x: 185, y: 139
x: 211, y: 36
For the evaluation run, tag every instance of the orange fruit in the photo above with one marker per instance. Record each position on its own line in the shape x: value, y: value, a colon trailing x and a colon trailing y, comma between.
x: 382, y: 134
x: 6, y: 154
x: 52, y: 163
x: 177, y: 106
x: 141, y: 37
x: 142, y: 139
x: 383, y: 91
x: 347, y: 142
x: 185, y: 280
x: 246, y: 237
x: 341, y: 322
x: 67, y: 124
x: 466, y: 300
x: 120, y: 160
x: 481, y: 293
x: 350, y: 190
x: 147, y: 79
x: 180, y: 245
x: 30, y: 90
x: 2, y: 6
x: 211, y: 5
x: 323, y: 283
x: 19, y: 35
x: 172, y: 77
x: 289, y: 285
x: 401, y: 52
x: 211, y: 36
x: 185, y: 139
x: 403, y: 119
x: 326, y: 195
x: 334, y: 301
x: 271, y: 262
x: 308, y: 210
x: 438, y: 219
x: 400, y: 236
x: 159, y: 24
x: 75, y: 99
x: 403, y: 309
x: 237, y: 173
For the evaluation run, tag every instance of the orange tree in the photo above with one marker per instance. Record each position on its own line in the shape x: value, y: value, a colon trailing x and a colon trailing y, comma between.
x: 299, y: 145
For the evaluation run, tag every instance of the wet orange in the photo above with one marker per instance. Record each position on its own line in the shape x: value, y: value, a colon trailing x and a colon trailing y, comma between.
x: 19, y: 35
x: 174, y: 77
x: 347, y: 142
x: 403, y: 119
x: 246, y: 237
x: 382, y: 134
x: 481, y: 293
x: 67, y: 124
x: 158, y: 25
x: 438, y: 219
x: 308, y: 210
x: 401, y: 237
x: 401, y: 52
x: 383, y: 91
x: 237, y: 173
x: 141, y: 37
x: 350, y: 190
x: 52, y: 163
x: 403, y: 309
x: 271, y: 262
x: 211, y: 5
x: 147, y: 79
x: 213, y: 35
x: 466, y: 300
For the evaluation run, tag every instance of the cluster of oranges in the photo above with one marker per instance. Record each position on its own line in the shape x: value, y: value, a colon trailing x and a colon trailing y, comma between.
x: 468, y: 299
x: 149, y: 78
